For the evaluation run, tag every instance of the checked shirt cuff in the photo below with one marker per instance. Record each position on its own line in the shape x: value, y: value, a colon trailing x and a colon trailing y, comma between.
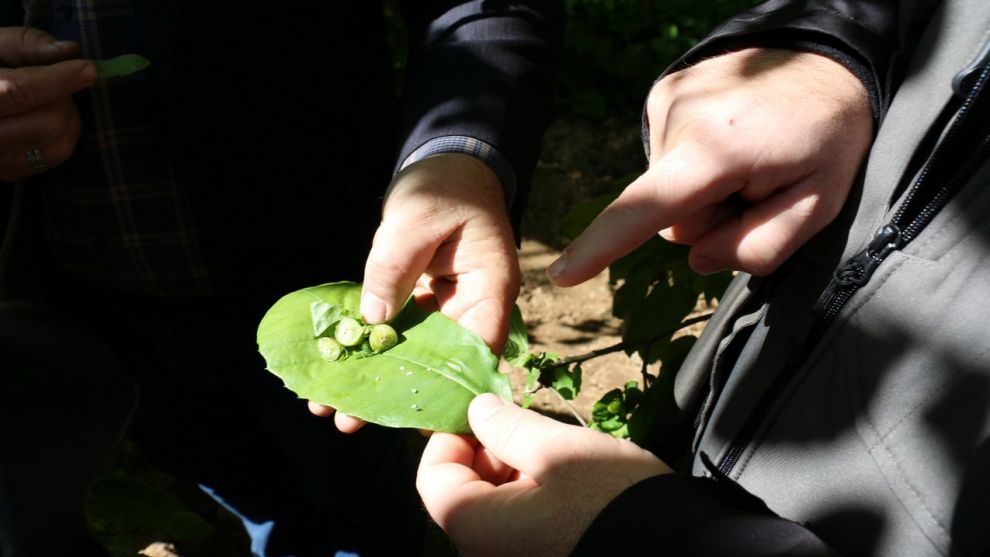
x: 474, y: 147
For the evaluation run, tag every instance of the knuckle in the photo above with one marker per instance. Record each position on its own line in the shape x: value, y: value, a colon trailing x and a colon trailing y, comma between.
x: 30, y: 36
x: 386, y: 269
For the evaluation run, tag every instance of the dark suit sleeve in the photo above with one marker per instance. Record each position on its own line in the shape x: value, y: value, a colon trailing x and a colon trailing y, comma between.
x: 483, y: 69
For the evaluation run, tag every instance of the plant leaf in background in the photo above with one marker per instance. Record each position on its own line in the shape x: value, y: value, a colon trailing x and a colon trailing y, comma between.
x: 657, y: 407
x: 567, y: 382
x: 122, y: 65
x: 426, y: 381
x: 517, y: 345
x: 118, y: 504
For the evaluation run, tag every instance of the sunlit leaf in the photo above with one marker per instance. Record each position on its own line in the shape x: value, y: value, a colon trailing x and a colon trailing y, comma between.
x: 426, y: 381
x: 567, y: 382
x: 517, y: 345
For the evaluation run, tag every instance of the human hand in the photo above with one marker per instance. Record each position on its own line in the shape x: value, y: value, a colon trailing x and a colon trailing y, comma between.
x: 445, y: 236
x: 751, y: 154
x: 37, y: 80
x: 528, y: 485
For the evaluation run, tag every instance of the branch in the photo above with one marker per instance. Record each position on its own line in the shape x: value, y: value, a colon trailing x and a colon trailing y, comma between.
x: 623, y: 345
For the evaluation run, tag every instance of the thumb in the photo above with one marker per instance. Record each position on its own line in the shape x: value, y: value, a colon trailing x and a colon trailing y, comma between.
x: 27, y: 46
x: 400, y: 253
x: 526, y: 441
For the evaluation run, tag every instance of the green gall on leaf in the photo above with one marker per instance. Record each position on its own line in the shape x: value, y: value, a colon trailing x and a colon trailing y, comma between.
x: 329, y: 349
x: 349, y: 331
x: 382, y: 337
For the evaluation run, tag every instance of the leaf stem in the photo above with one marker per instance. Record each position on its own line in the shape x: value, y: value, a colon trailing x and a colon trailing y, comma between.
x: 623, y: 344
x: 570, y: 407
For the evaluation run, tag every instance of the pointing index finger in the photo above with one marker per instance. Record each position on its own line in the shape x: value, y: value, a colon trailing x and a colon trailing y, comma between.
x: 679, y: 184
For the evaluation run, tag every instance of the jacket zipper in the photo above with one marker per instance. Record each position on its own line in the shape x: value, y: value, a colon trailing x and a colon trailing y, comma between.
x: 920, y: 206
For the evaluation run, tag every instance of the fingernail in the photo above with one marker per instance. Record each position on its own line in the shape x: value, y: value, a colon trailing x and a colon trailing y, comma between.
x: 373, y: 309
x: 54, y: 47
x: 483, y: 406
x: 557, y: 267
x: 89, y: 72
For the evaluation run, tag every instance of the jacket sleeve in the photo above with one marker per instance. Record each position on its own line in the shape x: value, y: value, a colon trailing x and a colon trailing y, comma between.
x: 482, y: 69
x: 861, y: 35
x: 674, y: 515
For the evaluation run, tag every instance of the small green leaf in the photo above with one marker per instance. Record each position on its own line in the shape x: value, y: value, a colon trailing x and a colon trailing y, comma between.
x: 122, y: 65
x: 517, y: 345
x: 125, y: 502
x: 324, y: 316
x: 567, y: 382
x: 426, y: 381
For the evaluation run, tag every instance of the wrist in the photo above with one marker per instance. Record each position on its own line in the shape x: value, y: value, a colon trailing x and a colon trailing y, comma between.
x: 476, y: 148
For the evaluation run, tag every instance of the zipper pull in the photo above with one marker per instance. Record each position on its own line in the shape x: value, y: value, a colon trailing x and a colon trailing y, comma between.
x: 856, y: 271
x: 860, y: 267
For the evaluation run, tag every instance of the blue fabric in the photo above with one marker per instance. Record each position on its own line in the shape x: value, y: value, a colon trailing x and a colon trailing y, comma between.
x: 214, y: 415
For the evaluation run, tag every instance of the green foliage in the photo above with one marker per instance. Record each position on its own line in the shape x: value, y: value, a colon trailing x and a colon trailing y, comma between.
x: 537, y: 366
x: 655, y: 288
x: 655, y: 292
x: 119, y: 505
x: 615, y: 49
x: 567, y: 382
x: 426, y: 381
x: 517, y: 344
x: 611, y: 413
x: 122, y: 65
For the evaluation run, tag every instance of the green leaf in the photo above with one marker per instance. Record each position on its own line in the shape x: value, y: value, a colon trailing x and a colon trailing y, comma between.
x: 324, y: 316
x: 567, y: 383
x: 122, y: 65
x: 426, y: 381
x: 124, y: 502
x: 517, y: 345
x: 661, y: 311
x: 532, y: 385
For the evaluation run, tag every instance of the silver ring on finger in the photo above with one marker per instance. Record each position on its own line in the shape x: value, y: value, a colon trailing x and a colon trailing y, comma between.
x: 35, y: 159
